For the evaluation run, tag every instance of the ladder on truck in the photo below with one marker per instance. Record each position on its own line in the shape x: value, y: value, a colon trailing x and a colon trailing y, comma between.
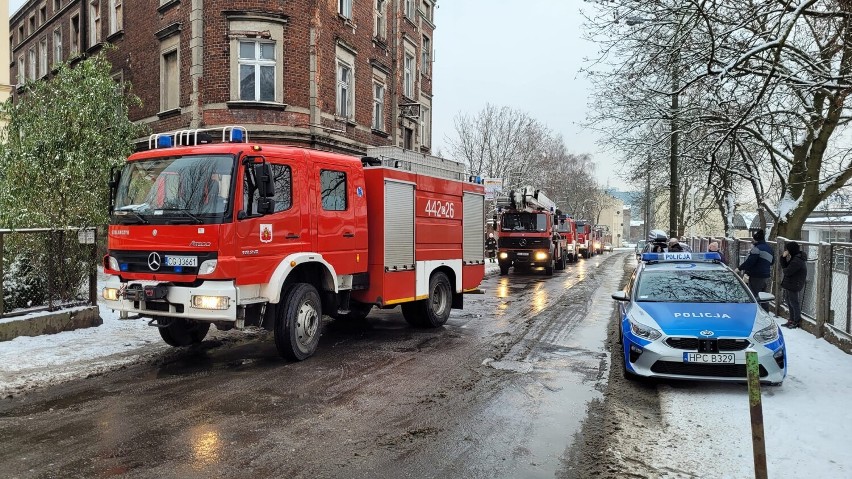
x: 420, y: 163
x: 527, y: 198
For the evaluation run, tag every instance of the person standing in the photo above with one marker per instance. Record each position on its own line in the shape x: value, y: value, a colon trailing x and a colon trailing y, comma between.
x: 758, y: 265
x: 491, y: 247
x: 795, y: 274
x: 713, y: 247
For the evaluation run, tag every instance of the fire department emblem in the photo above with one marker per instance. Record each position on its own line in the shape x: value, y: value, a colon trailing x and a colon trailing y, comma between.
x: 265, y: 233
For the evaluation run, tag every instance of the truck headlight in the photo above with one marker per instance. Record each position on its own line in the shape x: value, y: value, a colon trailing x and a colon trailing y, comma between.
x: 210, y: 302
x: 504, y: 255
x: 540, y: 256
x: 110, y: 294
x: 208, y: 267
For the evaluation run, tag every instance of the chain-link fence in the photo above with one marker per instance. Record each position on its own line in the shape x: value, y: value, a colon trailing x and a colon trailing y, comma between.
x: 840, y: 308
x: 46, y: 269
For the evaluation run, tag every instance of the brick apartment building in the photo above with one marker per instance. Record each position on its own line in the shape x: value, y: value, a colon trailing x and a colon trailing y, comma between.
x: 329, y: 74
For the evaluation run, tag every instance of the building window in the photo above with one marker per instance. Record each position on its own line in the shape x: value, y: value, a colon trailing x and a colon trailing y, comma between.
x: 31, y: 63
x: 427, y: 55
x: 344, y: 90
x: 21, y: 34
x: 408, y: 8
x: 115, y: 18
x: 22, y: 69
x: 32, y: 24
x: 57, y: 46
x: 408, y: 76
x: 170, y: 79
x: 378, y: 107
x: 57, y: 5
x: 94, y: 22
x: 428, y: 11
x: 42, y: 57
x: 344, y: 8
x: 75, y: 35
x: 425, y: 126
x: 42, y: 15
x: 257, y: 70
x: 333, y: 190
x: 381, y: 19
x: 408, y: 138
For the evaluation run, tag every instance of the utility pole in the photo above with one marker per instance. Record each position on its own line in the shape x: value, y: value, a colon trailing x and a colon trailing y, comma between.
x: 675, y: 137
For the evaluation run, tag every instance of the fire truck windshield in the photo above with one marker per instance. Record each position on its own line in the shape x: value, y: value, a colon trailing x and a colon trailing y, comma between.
x: 524, y: 222
x: 180, y: 189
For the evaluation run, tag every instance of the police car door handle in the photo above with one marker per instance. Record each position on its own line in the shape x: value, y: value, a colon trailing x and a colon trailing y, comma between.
x: 292, y: 236
x: 348, y: 235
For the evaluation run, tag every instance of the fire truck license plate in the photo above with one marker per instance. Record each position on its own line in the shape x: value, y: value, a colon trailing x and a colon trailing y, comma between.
x: 181, y: 260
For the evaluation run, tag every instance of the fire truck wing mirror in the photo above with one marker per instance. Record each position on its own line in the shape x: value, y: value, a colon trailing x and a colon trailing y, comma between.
x: 265, y: 183
x: 265, y: 206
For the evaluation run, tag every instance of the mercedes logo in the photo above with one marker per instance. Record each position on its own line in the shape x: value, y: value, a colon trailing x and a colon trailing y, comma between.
x: 706, y: 333
x: 523, y: 242
x: 154, y: 261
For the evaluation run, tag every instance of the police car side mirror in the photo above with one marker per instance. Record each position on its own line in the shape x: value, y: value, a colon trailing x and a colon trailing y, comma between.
x: 765, y: 297
x: 620, y: 296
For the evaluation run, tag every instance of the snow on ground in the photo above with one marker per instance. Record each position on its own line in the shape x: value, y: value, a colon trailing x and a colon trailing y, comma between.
x: 706, y: 426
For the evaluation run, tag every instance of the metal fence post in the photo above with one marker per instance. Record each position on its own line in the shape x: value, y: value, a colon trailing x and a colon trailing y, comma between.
x: 778, y: 273
x: 823, y: 288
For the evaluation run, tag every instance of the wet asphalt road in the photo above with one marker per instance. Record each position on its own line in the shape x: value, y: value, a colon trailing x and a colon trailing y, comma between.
x: 500, y: 391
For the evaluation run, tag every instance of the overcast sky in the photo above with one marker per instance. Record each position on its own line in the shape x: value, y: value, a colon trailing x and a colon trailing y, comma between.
x: 525, y: 54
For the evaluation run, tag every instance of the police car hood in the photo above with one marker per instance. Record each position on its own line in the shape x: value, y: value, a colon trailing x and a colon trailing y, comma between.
x: 691, y: 319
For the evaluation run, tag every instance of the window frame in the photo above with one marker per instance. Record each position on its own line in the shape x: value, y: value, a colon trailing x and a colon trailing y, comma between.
x: 74, y: 37
x: 116, y: 16
x: 408, y: 9
x: 22, y: 69
x: 380, y: 15
x: 426, y: 55
x: 257, y: 62
x: 31, y: 63
x: 344, y: 109
x: 379, y: 105
x: 255, y: 193
x: 167, y: 47
x: 94, y: 22
x: 408, y: 72
x: 57, y: 45
x: 42, y: 57
x: 425, y: 125
x: 344, y: 8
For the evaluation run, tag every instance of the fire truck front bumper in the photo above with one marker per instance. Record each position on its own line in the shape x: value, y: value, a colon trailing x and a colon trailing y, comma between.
x: 532, y: 258
x: 211, y: 301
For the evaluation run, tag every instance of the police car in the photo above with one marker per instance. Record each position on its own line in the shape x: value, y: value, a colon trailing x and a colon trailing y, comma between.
x: 688, y: 316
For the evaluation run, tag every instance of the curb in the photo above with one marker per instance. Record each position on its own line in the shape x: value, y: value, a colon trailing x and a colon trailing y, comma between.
x: 49, y: 322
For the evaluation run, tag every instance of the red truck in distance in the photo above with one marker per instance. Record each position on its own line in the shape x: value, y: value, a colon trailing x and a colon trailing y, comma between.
x: 233, y: 234
x: 528, y: 237
x: 567, y: 228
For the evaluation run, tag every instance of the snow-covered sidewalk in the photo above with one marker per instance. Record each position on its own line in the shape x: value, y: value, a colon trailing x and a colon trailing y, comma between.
x: 705, y: 430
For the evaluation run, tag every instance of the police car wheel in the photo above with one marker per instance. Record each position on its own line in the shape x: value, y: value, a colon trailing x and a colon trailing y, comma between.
x: 179, y: 332
x: 298, y: 322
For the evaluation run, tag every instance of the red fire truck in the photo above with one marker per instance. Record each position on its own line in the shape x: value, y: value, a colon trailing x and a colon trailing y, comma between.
x: 568, y: 229
x: 235, y: 234
x: 584, y: 239
x: 528, y: 236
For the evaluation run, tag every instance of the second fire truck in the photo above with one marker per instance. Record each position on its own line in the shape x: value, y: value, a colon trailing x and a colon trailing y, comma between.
x: 528, y: 237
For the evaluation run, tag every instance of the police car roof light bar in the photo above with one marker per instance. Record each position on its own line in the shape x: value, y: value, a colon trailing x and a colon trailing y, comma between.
x: 666, y: 257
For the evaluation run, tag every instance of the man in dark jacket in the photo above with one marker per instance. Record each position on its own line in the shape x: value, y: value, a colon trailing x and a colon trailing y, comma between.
x: 758, y: 265
x: 795, y: 274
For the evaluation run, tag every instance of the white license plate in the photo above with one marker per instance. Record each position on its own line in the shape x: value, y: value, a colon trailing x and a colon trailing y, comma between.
x: 523, y: 254
x: 707, y: 358
x: 181, y: 260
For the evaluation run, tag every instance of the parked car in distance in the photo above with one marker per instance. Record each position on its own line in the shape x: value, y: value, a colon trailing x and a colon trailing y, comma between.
x: 607, y: 247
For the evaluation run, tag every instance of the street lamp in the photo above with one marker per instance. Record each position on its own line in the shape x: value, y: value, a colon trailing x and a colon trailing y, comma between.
x: 674, y: 132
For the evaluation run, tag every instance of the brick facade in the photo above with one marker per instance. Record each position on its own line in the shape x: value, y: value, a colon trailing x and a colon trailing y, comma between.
x: 206, y: 36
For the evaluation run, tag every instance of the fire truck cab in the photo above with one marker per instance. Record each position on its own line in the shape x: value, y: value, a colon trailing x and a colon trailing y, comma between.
x: 567, y: 228
x: 233, y: 234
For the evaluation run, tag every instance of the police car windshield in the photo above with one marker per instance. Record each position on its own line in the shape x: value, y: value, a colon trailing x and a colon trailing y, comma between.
x: 691, y: 286
x: 175, y: 189
x: 524, y: 222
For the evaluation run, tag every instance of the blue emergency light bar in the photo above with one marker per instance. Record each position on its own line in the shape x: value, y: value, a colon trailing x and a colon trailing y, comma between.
x: 681, y: 257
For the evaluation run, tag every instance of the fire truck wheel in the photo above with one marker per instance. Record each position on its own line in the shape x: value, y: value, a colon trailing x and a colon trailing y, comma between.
x: 504, y: 269
x: 181, y: 332
x: 548, y: 270
x: 433, y: 311
x: 560, y: 265
x: 298, y: 324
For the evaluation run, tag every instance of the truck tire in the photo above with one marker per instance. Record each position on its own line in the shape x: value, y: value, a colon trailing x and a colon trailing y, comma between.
x: 298, y: 322
x: 181, y: 332
x: 548, y: 270
x: 504, y: 269
x: 433, y: 311
x: 560, y: 265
